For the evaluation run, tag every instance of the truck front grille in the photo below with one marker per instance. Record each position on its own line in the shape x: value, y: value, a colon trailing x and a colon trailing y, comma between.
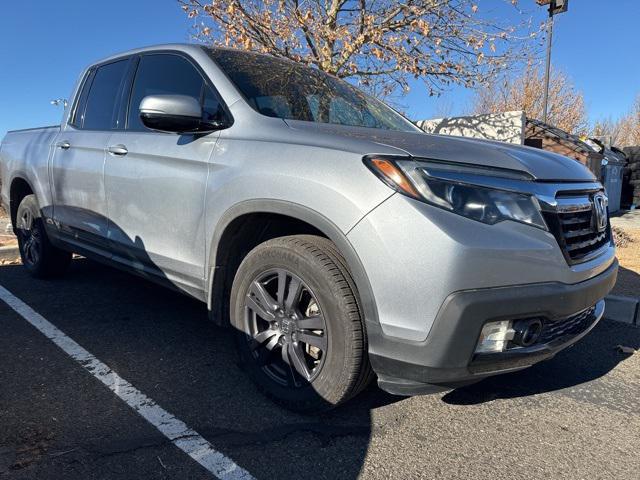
x: 580, y: 237
x: 575, y: 228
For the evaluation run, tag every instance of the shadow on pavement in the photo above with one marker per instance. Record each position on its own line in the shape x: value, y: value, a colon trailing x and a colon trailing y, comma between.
x: 628, y: 283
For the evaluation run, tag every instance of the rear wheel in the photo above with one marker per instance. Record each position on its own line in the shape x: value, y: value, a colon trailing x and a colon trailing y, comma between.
x: 39, y: 257
x: 299, y: 329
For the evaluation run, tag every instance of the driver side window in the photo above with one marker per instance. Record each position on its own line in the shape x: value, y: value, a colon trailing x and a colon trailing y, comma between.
x: 167, y: 74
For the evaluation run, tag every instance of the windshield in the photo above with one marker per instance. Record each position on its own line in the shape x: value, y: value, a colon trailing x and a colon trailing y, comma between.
x: 284, y: 89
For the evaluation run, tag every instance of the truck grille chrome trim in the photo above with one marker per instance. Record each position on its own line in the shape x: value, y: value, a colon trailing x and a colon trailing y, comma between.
x: 578, y: 226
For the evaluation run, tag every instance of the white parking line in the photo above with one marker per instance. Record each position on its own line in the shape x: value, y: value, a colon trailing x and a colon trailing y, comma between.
x: 183, y: 437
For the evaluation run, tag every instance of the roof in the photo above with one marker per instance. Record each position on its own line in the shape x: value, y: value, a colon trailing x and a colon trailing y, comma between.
x: 555, y: 132
x: 181, y: 47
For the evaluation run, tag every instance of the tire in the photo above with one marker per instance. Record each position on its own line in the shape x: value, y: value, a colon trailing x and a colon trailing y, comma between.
x: 39, y: 257
x: 303, y: 344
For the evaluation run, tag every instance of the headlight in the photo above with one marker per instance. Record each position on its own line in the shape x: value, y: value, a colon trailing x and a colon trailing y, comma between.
x: 420, y: 180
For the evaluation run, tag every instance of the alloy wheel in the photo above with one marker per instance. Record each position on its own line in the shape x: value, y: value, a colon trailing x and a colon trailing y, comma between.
x: 30, y: 236
x: 285, y: 328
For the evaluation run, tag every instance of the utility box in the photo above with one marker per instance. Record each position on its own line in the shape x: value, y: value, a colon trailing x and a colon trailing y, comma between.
x: 612, y: 168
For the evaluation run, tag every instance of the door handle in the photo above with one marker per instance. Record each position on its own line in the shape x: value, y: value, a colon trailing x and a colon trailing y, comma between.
x: 64, y: 145
x: 118, y: 150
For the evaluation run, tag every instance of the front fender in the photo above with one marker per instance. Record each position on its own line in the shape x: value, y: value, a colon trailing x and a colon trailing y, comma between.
x: 311, y: 217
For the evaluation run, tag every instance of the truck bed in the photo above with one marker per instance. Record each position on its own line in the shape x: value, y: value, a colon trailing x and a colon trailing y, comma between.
x: 26, y: 152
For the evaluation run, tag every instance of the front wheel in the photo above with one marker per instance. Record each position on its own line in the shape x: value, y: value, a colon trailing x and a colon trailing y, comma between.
x: 300, y: 334
x: 38, y: 256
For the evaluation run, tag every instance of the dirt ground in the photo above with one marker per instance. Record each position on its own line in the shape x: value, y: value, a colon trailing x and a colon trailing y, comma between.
x: 629, y: 257
x: 6, y: 235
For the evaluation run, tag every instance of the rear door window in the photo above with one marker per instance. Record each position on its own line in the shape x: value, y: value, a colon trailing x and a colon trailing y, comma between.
x: 101, y: 110
x: 81, y: 102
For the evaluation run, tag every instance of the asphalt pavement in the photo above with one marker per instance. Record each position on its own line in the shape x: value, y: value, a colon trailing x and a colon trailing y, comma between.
x: 575, y: 416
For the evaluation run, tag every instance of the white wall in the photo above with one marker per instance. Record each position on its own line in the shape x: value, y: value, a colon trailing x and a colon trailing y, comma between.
x: 505, y: 127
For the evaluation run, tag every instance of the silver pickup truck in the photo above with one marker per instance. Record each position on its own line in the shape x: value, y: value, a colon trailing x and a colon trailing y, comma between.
x: 339, y: 241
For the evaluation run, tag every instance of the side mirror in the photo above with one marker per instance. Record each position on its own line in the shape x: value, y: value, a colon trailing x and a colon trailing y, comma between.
x: 172, y: 113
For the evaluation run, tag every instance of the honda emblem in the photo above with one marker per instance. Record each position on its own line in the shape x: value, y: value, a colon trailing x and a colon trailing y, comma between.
x: 600, y: 203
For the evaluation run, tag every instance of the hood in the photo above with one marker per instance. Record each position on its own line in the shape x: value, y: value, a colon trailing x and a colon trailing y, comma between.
x: 538, y: 163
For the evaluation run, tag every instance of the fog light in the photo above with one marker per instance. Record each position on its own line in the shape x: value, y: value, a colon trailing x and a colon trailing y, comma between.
x: 495, y: 336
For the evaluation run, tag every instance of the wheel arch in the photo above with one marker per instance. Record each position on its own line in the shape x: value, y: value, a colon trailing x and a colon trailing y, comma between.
x: 227, y: 229
x: 18, y: 189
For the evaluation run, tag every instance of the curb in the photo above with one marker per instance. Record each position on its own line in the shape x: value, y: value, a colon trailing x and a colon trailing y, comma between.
x: 622, y: 309
x: 9, y: 253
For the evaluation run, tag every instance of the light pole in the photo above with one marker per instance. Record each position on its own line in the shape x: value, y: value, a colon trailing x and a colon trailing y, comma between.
x: 555, y: 7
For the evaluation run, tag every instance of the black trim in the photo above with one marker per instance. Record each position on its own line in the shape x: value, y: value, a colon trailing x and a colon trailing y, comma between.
x: 523, y: 357
x: 125, y: 92
x: 81, y: 98
x: 113, y: 258
x: 171, y: 123
x: 131, y: 76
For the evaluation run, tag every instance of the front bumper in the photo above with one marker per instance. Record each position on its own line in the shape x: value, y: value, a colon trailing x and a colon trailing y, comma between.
x: 445, y: 359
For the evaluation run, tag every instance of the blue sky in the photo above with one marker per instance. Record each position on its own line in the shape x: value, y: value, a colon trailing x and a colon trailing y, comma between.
x: 45, y: 44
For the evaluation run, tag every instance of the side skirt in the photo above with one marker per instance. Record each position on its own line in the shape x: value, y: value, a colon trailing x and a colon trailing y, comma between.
x: 194, y: 288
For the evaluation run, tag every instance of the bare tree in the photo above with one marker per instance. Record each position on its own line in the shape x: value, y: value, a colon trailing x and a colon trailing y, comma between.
x: 608, y: 128
x: 624, y: 132
x: 630, y: 129
x: 526, y: 92
x: 380, y: 43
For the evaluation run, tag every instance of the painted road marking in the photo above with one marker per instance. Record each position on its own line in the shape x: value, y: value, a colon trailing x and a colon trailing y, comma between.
x: 183, y: 437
